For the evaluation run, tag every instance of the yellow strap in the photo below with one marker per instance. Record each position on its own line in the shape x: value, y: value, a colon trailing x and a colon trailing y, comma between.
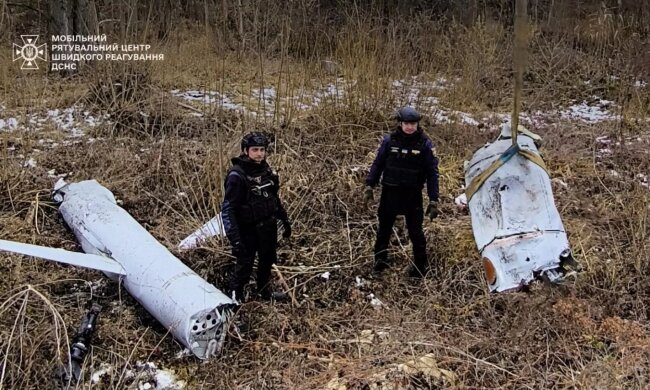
x: 536, y: 138
x: 534, y: 157
x: 479, y: 180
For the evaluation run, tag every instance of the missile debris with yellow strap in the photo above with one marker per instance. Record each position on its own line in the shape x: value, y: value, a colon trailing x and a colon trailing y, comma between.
x: 517, y: 228
x: 478, y: 181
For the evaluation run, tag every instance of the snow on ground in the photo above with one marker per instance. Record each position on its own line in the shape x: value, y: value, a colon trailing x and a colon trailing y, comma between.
x: 208, y: 97
x: 58, y: 127
x: 146, y: 375
x: 596, y: 111
x: 422, y: 93
x: 415, y: 91
x: 30, y: 163
x: 8, y: 124
x: 605, y: 148
x: 71, y: 121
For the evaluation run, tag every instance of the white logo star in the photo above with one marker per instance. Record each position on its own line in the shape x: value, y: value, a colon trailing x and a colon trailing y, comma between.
x: 29, y: 52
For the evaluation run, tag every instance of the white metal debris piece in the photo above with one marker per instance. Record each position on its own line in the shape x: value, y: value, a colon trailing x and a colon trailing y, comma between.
x: 100, y: 263
x: 213, y: 227
x: 516, y: 226
x: 461, y: 201
x: 192, y: 309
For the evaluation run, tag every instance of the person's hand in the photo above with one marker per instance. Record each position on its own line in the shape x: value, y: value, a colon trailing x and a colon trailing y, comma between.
x: 286, y: 226
x: 368, y: 196
x: 432, y: 210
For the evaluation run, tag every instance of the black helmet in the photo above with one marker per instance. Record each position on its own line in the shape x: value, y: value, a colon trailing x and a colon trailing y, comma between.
x: 254, y: 139
x: 408, y: 114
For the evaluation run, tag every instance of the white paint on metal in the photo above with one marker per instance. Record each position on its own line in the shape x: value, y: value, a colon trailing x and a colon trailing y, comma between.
x: 99, y: 263
x: 213, y: 227
x: 193, y: 310
x: 514, y: 219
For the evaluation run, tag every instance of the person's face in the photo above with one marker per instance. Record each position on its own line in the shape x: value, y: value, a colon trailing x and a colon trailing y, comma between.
x: 409, y: 127
x: 256, y: 153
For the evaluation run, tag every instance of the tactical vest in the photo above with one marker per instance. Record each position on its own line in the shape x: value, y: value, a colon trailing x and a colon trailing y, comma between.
x: 261, y: 197
x: 405, y: 161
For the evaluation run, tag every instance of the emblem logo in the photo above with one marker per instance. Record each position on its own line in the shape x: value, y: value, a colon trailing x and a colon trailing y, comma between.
x: 29, y: 52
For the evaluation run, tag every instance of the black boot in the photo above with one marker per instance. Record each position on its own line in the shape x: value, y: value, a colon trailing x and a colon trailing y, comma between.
x: 273, y: 296
x: 381, y: 262
x: 420, y: 262
x: 417, y: 272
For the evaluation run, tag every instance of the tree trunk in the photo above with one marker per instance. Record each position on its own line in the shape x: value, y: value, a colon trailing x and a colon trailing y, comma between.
x: 60, y: 23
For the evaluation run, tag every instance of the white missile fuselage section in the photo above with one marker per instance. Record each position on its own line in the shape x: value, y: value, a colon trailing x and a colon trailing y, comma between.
x: 194, y: 311
x: 516, y: 225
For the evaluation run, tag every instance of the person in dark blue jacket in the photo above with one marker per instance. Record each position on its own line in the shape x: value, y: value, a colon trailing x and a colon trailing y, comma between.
x: 404, y: 162
x: 250, y: 211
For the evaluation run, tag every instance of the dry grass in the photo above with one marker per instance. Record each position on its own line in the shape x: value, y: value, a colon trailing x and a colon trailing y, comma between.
x: 167, y: 170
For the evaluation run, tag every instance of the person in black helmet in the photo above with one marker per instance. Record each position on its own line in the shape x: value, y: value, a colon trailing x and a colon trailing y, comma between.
x: 404, y: 162
x: 250, y: 211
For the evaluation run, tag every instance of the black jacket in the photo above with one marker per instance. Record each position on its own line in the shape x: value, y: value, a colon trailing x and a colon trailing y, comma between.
x: 251, y: 196
x: 405, y: 156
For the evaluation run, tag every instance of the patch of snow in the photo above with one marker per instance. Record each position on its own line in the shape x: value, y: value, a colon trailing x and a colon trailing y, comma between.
x: 640, y: 84
x: 268, y: 94
x: 359, y: 281
x: 31, y: 163
x: 590, y: 113
x: 149, y: 377
x: 167, y: 380
x: 604, y: 139
x: 207, y: 97
x: 467, y: 118
x: 461, y: 201
x: 374, y: 301
x: 104, y: 369
x: 325, y: 275
x: 9, y: 124
x: 560, y: 182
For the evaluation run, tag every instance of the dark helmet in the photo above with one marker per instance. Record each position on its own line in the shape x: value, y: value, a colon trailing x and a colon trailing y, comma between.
x: 254, y: 139
x: 408, y: 114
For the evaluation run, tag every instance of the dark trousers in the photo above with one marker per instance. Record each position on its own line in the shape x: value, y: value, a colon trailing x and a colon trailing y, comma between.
x: 260, y: 239
x: 401, y: 201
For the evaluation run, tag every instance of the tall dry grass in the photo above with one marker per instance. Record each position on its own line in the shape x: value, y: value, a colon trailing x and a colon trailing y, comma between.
x: 166, y: 167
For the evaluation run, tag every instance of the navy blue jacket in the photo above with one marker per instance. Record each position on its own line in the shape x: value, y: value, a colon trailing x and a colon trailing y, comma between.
x: 430, y: 163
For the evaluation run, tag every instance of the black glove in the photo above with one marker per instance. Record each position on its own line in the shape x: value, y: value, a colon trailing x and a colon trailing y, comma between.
x: 368, y: 195
x: 286, y: 226
x: 432, y: 210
